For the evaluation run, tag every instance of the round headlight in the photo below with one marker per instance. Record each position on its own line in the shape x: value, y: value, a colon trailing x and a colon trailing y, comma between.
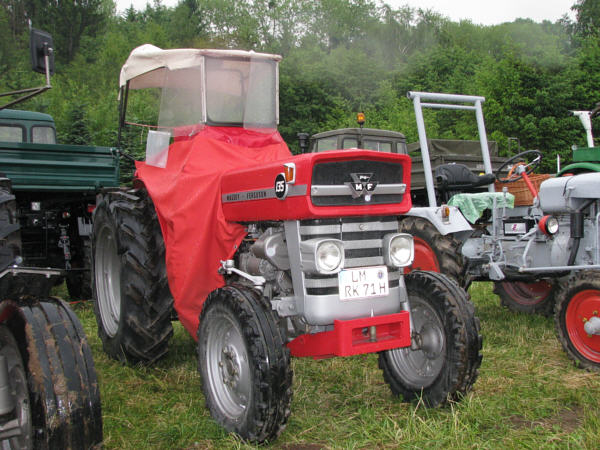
x: 401, y: 250
x: 549, y: 225
x: 329, y: 256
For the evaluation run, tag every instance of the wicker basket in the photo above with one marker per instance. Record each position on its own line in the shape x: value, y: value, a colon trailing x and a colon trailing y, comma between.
x: 520, y: 190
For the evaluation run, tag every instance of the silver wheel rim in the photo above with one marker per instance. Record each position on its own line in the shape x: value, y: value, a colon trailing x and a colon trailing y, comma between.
x: 107, y: 274
x: 228, y: 370
x: 420, y: 368
x: 18, y: 387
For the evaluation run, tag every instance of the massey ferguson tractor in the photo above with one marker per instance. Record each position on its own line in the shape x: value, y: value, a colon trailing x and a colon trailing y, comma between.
x: 263, y: 255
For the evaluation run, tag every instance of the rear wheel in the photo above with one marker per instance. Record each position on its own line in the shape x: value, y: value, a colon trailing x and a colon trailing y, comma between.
x: 445, y: 361
x: 537, y: 297
x: 132, y: 301
x: 244, y: 364
x: 433, y: 251
x: 63, y: 393
x: 577, y: 318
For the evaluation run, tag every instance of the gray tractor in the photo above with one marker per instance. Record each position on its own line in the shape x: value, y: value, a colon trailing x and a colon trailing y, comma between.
x: 544, y: 254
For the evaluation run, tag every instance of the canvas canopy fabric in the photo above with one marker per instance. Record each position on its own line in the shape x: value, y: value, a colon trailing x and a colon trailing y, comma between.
x: 150, y: 60
x: 187, y: 197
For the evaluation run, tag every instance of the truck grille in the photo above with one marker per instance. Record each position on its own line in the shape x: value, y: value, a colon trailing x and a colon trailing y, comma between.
x: 362, y: 238
x: 332, y: 183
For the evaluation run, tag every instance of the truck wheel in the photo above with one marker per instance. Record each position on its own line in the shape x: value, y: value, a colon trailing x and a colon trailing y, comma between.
x: 132, y: 301
x: 537, y: 297
x: 79, y: 282
x: 433, y: 251
x: 447, y: 335
x: 60, y: 389
x: 578, y: 303
x: 244, y: 364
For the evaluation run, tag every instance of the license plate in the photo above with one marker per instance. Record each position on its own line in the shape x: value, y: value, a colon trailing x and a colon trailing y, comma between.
x: 364, y: 282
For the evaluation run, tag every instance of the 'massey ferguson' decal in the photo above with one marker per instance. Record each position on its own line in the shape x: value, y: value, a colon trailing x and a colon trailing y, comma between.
x: 263, y: 194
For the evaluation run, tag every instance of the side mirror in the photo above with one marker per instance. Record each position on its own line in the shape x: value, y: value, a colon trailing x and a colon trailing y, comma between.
x: 42, y: 51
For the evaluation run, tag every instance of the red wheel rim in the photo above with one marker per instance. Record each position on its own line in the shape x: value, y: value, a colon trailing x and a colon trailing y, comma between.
x: 425, y: 258
x: 527, y: 293
x: 581, y: 308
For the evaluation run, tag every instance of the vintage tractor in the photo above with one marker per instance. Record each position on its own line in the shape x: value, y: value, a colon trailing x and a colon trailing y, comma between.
x: 541, y: 254
x: 266, y: 254
x: 49, y: 393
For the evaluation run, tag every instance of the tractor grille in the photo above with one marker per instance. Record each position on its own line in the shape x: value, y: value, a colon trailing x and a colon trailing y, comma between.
x: 331, y: 183
x: 363, y: 240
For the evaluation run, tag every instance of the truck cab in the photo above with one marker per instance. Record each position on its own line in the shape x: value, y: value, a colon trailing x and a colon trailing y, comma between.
x: 363, y: 138
x: 27, y: 127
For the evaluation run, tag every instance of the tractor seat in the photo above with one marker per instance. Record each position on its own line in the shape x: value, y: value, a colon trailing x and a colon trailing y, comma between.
x: 458, y: 177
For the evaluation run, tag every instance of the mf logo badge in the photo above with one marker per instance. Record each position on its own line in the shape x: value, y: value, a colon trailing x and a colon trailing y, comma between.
x: 362, y: 184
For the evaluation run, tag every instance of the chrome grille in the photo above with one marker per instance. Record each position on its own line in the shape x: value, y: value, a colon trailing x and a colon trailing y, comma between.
x: 363, y: 240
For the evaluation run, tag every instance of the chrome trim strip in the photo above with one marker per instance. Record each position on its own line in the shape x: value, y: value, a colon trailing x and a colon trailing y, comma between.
x: 323, y: 190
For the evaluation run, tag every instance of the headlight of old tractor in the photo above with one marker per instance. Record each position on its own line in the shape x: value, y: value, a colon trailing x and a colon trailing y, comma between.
x: 398, y: 249
x: 324, y: 256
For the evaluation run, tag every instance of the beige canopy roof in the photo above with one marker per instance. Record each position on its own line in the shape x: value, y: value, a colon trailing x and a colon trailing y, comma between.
x: 148, y: 58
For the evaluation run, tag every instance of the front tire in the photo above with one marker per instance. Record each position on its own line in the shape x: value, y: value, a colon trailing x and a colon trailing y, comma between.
x: 578, y: 302
x: 132, y: 301
x: 244, y: 364
x: 433, y: 251
x: 536, y: 297
x: 447, y: 335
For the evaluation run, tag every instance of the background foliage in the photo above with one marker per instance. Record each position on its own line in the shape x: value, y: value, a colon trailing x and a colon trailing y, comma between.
x: 340, y: 57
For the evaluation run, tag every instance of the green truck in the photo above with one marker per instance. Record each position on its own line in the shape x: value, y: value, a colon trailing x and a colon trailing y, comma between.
x: 55, y: 188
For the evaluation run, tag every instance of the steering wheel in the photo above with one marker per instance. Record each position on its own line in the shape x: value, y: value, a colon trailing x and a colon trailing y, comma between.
x: 529, y: 167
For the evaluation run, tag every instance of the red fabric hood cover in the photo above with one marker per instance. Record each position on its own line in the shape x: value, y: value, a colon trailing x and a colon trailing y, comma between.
x: 187, y: 198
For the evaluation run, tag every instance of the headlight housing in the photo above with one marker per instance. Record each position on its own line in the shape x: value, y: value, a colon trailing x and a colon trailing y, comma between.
x: 324, y: 256
x: 399, y: 249
x: 548, y: 225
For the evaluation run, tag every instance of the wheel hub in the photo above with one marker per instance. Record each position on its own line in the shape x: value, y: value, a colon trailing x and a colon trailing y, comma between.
x: 230, y: 366
x: 583, y: 323
x: 431, y: 340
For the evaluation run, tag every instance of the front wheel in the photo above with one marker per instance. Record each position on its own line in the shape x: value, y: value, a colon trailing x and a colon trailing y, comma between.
x: 537, y: 297
x: 244, y: 364
x: 443, y: 362
x: 577, y: 319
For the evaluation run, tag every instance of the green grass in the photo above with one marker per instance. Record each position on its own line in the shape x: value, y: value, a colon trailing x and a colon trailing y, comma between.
x: 528, y: 395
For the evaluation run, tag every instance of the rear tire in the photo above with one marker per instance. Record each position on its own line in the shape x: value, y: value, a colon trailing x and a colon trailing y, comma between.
x: 435, y: 252
x: 132, y: 301
x: 577, y: 303
x: 538, y: 297
x: 244, y: 364
x: 447, y: 332
x: 64, y: 396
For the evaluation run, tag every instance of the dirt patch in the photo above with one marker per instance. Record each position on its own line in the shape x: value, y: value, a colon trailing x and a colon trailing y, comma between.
x: 566, y: 419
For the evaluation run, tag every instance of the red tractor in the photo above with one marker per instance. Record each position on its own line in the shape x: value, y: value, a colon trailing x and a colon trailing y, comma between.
x: 263, y: 255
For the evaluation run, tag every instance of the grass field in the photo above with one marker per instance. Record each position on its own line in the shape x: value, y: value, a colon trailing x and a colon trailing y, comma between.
x: 528, y: 395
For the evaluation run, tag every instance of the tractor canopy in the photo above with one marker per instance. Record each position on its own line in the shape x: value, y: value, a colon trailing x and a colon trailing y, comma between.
x: 206, y: 87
